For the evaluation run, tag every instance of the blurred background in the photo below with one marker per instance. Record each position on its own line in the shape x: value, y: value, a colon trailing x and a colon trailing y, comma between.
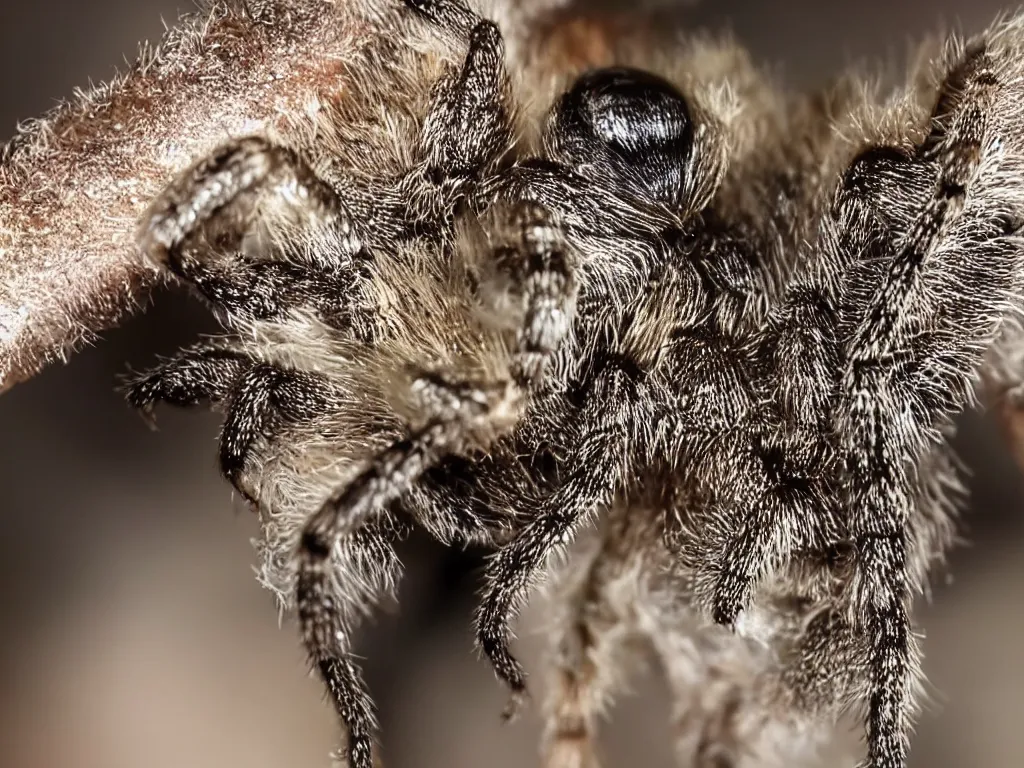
x: 132, y: 631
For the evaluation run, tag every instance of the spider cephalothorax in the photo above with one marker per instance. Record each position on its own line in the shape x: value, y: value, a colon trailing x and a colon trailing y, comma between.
x: 733, y: 323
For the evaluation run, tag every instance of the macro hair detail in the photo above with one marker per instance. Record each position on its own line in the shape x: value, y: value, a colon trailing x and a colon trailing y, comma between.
x: 715, y: 330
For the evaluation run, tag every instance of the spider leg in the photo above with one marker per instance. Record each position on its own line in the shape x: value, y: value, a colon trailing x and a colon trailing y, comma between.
x: 478, y: 95
x: 196, y: 228
x: 595, y: 639
x: 782, y: 490
x: 264, y: 397
x: 221, y: 196
x: 258, y: 396
x: 323, y: 626
x: 758, y: 704
x: 456, y: 415
x: 529, y: 283
x: 596, y: 468
x: 735, y: 703
x: 253, y: 290
x: 454, y: 410
x: 528, y: 251
x: 921, y: 304
x: 367, y: 559
x: 203, y: 373
x: 914, y: 357
x: 451, y: 15
x: 464, y: 499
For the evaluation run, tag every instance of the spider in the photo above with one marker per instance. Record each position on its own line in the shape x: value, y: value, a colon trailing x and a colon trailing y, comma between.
x: 731, y: 323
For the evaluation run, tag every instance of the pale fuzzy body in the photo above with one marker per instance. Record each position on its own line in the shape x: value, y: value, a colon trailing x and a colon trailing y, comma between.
x: 763, y: 159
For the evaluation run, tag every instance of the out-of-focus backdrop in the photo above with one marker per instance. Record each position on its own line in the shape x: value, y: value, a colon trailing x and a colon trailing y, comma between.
x: 132, y: 632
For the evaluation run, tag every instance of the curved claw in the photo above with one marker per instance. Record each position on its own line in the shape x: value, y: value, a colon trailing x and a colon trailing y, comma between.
x: 493, y: 635
x: 516, y: 700
x: 731, y: 596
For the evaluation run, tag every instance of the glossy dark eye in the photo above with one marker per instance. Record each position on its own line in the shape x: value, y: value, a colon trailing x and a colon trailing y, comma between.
x: 628, y: 121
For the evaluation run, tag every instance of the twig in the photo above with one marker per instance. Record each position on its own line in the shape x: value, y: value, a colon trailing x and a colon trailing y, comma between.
x: 73, y: 184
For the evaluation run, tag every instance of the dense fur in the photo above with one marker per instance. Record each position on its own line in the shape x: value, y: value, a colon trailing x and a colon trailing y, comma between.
x: 738, y: 348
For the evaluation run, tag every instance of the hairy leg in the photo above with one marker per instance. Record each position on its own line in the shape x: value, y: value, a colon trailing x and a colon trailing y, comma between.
x: 764, y: 703
x: 254, y: 290
x: 455, y: 414
x: 921, y: 306
x: 203, y: 373
x: 595, y: 468
x: 780, y: 474
x: 915, y: 354
x: 197, y: 229
x: 258, y: 398
x: 263, y: 399
x: 454, y: 159
x: 330, y: 610
x: 596, y: 635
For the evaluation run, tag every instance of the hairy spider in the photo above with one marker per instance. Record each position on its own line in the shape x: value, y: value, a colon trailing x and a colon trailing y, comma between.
x: 734, y: 323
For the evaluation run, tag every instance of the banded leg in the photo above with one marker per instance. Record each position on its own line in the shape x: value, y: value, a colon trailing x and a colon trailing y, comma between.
x: 741, y: 708
x: 360, y: 569
x: 918, y: 347
x: 595, y: 470
x: 530, y: 252
x: 533, y: 288
x: 478, y: 95
x: 529, y: 283
x: 455, y: 414
x: 196, y: 228
x: 347, y: 513
x: 597, y: 639
x: 734, y: 702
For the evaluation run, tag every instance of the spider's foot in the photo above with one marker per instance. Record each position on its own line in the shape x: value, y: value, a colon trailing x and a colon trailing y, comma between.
x: 516, y: 700
x: 511, y: 673
x: 726, y: 611
x: 493, y: 640
x: 745, y: 561
x: 730, y: 598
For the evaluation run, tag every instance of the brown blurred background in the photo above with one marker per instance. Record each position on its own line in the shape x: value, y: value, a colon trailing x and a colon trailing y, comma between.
x: 132, y: 632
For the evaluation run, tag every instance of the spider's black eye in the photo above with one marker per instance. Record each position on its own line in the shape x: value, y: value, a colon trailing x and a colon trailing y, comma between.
x: 628, y: 121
